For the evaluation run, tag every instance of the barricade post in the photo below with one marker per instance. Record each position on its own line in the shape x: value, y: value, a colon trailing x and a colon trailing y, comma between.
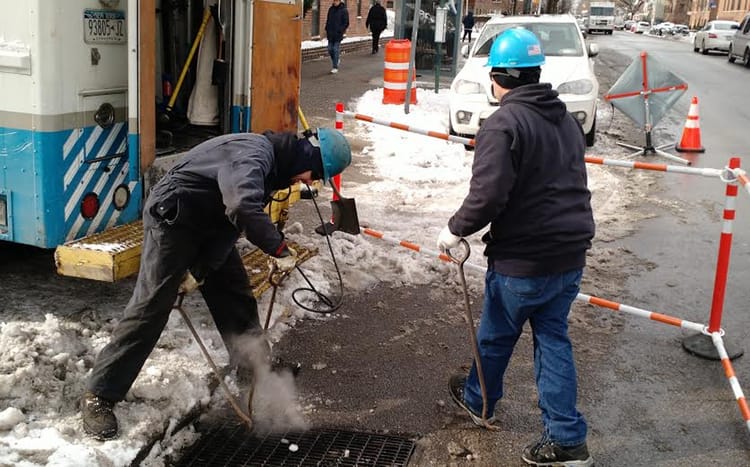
x: 702, y: 345
x: 330, y: 227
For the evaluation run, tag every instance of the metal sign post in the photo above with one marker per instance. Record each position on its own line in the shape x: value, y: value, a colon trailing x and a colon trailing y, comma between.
x: 412, y: 55
x: 441, y: 23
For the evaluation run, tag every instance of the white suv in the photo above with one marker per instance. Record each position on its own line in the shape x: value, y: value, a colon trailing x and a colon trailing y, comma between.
x: 739, y: 44
x: 568, y: 67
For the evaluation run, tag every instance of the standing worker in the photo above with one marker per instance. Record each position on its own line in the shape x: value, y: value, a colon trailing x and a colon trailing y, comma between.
x: 529, y: 183
x: 468, y: 23
x: 191, y: 222
x: 377, y: 22
x: 337, y: 23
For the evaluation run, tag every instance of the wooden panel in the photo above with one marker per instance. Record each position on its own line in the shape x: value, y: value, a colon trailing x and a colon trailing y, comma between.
x: 277, y: 57
x: 105, y: 256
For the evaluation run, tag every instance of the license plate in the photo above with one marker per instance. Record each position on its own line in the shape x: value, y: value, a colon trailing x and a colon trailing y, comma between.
x: 104, y: 27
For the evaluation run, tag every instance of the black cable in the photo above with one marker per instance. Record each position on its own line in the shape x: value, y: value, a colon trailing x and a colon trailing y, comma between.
x: 281, y: 200
x: 330, y: 304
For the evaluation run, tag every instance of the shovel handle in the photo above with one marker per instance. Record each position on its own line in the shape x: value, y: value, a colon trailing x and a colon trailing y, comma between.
x: 460, y: 260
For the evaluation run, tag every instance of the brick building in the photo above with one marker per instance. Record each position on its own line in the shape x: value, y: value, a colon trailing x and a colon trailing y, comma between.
x: 702, y: 11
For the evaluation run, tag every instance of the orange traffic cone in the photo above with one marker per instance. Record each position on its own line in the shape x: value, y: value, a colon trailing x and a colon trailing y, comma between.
x: 691, y: 134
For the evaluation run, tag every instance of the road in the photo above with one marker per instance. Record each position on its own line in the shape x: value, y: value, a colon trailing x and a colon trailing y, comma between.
x: 696, y: 201
x: 679, y: 245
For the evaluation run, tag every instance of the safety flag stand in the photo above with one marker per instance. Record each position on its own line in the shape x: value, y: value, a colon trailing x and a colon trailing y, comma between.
x: 648, y: 102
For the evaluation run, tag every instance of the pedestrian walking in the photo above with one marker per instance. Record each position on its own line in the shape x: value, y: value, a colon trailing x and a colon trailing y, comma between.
x: 192, y: 219
x: 337, y: 23
x: 377, y: 22
x: 468, y: 23
x: 529, y: 184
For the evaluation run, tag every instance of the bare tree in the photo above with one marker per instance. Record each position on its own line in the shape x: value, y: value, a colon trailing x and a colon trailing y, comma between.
x: 564, y: 6
x: 631, y: 6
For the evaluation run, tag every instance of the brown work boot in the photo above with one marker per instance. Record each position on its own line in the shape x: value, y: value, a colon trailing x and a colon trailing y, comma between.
x: 98, y: 419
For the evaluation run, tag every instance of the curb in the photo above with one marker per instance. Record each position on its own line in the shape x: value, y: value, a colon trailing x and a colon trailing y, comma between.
x: 348, y: 47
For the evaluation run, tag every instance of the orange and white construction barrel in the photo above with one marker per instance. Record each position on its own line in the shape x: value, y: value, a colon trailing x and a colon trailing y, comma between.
x: 396, y: 71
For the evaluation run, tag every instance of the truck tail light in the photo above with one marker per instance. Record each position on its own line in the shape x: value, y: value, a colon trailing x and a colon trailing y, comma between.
x: 90, y: 206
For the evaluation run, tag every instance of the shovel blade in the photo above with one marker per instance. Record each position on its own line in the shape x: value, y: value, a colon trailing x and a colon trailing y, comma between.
x: 345, y: 218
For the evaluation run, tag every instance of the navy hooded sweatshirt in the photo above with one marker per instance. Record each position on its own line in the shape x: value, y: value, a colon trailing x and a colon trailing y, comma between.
x: 529, y: 183
x: 219, y: 189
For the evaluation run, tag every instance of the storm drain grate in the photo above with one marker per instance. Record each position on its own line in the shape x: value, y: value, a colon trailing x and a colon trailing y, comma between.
x: 232, y: 445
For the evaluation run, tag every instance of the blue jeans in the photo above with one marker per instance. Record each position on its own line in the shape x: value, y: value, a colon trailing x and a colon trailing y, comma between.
x: 545, y: 302
x: 334, y: 50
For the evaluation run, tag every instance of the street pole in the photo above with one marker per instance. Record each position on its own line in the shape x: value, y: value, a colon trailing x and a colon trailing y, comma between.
x: 413, y: 54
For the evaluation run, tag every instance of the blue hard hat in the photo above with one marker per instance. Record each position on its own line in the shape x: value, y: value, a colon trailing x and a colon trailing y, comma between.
x: 516, y: 48
x: 335, y: 152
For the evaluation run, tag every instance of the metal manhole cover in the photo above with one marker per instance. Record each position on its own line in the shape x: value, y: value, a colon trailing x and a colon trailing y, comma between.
x: 232, y: 445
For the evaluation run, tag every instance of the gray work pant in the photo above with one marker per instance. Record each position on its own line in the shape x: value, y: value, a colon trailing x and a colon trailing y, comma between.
x: 168, y: 252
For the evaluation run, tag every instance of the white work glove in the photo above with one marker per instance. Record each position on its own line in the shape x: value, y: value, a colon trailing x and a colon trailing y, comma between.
x: 189, y: 284
x: 287, y: 262
x: 446, y: 240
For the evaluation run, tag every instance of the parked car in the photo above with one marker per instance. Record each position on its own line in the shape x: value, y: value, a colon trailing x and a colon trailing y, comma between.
x: 568, y: 68
x: 739, y: 44
x: 628, y: 24
x: 640, y: 27
x: 662, y: 29
x: 680, y: 29
x: 715, y: 35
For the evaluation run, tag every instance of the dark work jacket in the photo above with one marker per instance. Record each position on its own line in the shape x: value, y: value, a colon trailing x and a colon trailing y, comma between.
x: 337, y: 22
x: 468, y: 21
x: 529, y: 183
x: 376, y: 18
x: 220, y: 188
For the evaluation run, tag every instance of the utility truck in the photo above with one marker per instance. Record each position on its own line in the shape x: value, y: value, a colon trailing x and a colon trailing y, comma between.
x: 600, y: 18
x: 96, y: 95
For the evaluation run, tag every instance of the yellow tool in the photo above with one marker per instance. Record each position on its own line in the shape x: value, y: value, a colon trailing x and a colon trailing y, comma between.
x: 196, y: 42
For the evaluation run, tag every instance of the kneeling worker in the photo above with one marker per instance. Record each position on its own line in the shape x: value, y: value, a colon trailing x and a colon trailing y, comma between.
x: 191, y: 221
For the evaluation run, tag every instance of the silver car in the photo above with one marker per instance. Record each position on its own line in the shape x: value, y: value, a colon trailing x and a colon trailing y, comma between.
x: 739, y: 45
x: 715, y: 35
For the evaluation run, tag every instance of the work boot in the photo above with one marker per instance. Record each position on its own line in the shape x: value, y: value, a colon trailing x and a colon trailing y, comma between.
x: 548, y: 452
x: 98, y: 419
x: 456, y: 388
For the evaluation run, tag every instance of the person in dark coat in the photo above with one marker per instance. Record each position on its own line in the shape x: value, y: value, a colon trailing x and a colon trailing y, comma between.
x: 377, y: 22
x: 529, y: 184
x: 192, y: 220
x: 468, y: 23
x: 337, y: 23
